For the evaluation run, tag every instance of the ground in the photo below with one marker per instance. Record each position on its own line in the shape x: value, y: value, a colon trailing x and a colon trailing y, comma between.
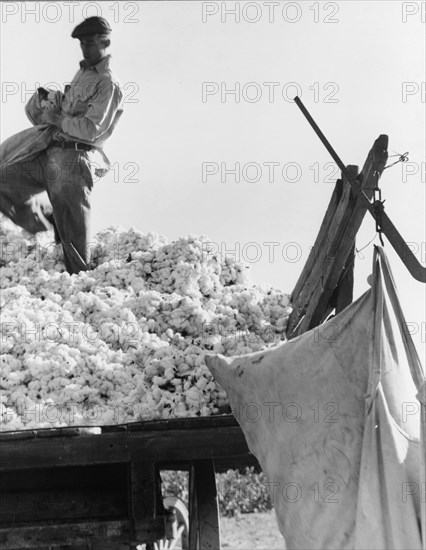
x: 256, y: 531
x: 251, y: 532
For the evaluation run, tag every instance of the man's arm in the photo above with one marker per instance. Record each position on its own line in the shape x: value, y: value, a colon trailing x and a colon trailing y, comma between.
x: 50, y: 117
x: 101, y: 112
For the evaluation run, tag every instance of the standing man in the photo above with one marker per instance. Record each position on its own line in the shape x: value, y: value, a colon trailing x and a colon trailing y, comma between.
x: 54, y: 186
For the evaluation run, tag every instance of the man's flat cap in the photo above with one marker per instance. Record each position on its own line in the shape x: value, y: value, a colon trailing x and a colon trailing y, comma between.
x: 90, y: 26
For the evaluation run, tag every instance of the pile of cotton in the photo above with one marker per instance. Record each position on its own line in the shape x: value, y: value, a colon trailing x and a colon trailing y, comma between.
x: 126, y: 340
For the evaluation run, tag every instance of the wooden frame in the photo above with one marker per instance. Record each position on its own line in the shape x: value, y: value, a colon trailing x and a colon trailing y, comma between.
x: 323, y: 283
x: 128, y: 456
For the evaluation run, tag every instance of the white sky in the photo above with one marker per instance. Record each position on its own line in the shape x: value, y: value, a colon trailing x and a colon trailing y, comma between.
x: 163, y: 52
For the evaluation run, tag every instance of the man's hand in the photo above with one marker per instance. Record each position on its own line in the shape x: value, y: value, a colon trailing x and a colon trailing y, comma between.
x: 49, y: 117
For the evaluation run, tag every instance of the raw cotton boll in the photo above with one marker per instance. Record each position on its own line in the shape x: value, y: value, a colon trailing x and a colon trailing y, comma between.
x: 193, y: 397
x: 124, y: 341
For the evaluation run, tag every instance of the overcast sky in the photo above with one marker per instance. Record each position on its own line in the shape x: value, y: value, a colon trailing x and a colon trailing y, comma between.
x: 359, y: 67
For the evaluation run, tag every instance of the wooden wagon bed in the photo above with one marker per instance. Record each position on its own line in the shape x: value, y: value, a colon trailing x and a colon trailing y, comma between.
x: 64, y: 487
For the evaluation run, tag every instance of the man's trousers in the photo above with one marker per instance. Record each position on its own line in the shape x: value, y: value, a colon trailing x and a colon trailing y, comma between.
x: 53, y: 189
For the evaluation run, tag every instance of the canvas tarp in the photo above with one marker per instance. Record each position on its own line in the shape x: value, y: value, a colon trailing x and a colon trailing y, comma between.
x: 25, y: 145
x: 391, y: 451
x: 333, y: 417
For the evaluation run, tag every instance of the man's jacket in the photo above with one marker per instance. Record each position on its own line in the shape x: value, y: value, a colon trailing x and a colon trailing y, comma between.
x: 91, y: 107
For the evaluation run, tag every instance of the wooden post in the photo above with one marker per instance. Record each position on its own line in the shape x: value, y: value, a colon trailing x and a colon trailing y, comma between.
x: 204, y: 531
x: 345, y: 287
x: 312, y: 296
x: 149, y: 525
x: 104, y: 545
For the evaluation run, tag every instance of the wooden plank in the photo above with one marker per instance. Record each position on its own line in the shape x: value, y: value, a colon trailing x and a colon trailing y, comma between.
x: 345, y: 287
x: 148, y: 525
x: 313, y: 279
x: 343, y: 293
x: 157, y: 446
x: 320, y: 241
x: 65, y: 533
x: 222, y: 464
x: 17, y: 507
x: 320, y: 276
x: 84, y: 546
x: 208, y: 507
x: 194, y: 534
x: 68, y: 493
x: 105, y: 545
x: 204, y: 531
x: 191, y: 423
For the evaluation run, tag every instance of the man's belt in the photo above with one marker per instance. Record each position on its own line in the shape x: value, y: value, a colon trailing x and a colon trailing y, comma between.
x: 76, y: 145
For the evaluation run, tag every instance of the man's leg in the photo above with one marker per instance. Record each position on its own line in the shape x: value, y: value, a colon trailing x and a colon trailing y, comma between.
x: 69, y: 184
x: 23, y: 197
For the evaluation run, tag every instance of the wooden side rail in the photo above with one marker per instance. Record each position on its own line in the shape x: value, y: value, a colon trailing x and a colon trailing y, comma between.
x: 64, y: 488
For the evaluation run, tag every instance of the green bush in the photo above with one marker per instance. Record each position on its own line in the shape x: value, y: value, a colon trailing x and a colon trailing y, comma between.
x: 175, y: 483
x: 242, y: 493
x: 238, y: 492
